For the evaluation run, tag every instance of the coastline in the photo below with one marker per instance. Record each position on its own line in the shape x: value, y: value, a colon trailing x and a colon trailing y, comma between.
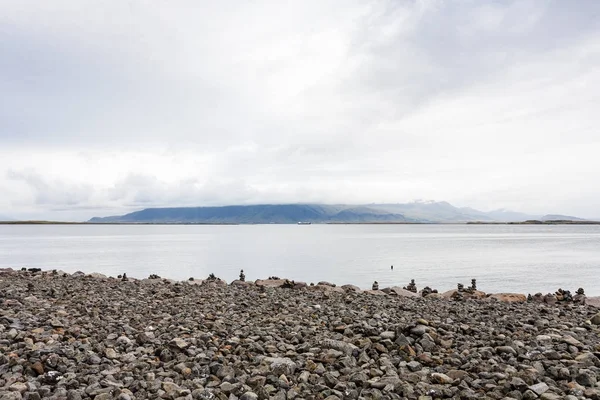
x: 530, y: 222
x: 89, y: 336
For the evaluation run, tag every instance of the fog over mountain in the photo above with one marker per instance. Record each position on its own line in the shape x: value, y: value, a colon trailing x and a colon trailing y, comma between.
x: 116, y: 106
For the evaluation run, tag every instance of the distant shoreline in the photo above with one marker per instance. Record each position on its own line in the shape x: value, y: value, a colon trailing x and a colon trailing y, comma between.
x: 529, y: 222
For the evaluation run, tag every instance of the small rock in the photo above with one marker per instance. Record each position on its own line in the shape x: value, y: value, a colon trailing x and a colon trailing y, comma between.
x: 110, y: 353
x: 282, y: 365
x: 506, y: 350
x: 539, y: 388
x: 18, y: 387
x: 441, y: 378
x: 179, y: 343
x: 586, y: 378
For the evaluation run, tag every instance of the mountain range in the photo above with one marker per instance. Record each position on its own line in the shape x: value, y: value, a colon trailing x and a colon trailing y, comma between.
x: 415, y: 212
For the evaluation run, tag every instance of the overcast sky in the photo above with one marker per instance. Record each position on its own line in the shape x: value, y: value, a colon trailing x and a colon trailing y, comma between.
x: 116, y: 105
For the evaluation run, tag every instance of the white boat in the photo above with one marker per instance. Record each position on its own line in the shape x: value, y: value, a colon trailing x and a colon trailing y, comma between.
x: 304, y: 223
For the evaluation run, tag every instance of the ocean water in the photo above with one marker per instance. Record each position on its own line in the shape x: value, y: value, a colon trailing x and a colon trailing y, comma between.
x: 503, y: 258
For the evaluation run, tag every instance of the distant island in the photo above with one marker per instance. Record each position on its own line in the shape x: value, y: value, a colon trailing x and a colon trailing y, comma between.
x: 402, y: 213
x: 418, y: 212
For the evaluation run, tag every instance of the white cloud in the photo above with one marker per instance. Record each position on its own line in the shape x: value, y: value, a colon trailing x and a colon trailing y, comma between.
x: 111, y: 106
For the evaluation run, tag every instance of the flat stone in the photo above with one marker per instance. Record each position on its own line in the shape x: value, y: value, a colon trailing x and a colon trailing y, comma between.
x: 509, y: 297
x: 506, y: 350
x: 110, y: 353
x: 550, y: 396
x: 179, y: 343
x: 388, y: 335
x: 572, y: 341
x: 414, y: 366
x: 344, y: 347
x: 539, y: 388
x: 441, y: 378
x: 18, y: 387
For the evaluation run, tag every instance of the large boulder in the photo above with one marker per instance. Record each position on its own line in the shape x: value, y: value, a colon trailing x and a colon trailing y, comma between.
x: 375, y: 292
x: 351, y: 288
x: 214, y: 282
x: 270, y: 283
x: 399, y: 291
x: 328, y: 288
x: 96, y: 275
x: 509, y: 297
x: 593, y: 301
x: 476, y: 294
x: 237, y: 282
x: 326, y: 284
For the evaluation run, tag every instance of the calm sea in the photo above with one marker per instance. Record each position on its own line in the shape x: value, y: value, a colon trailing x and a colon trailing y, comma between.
x: 517, y: 258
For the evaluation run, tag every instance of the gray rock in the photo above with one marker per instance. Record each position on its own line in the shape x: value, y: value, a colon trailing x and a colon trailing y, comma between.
x: 539, y: 388
x: 179, y: 343
x: 506, y: 350
x: 346, y: 348
x: 414, y: 366
x: 281, y: 365
x: 586, y: 378
x: 10, y: 396
x: 388, y: 335
x: 440, y: 378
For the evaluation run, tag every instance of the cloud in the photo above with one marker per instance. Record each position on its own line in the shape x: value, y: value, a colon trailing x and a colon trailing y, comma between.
x: 116, y: 105
x: 52, y: 193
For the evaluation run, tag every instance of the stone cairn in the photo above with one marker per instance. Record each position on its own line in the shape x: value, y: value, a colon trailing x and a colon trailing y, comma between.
x: 563, y: 295
x: 375, y: 286
x: 242, y: 276
x: 427, y: 291
x: 287, y: 284
x: 411, y: 287
x: 560, y: 296
x: 32, y: 270
x: 459, y: 294
x: 473, y: 286
x: 461, y: 290
x: 153, y: 276
x: 579, y: 297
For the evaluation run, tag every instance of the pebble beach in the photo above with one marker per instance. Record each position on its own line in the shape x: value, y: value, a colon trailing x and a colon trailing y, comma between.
x: 88, y: 336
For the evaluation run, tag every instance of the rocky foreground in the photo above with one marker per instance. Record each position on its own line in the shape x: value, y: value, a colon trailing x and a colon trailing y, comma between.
x: 80, y: 336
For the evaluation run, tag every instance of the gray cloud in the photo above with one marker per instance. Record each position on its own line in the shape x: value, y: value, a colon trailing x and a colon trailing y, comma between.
x: 116, y: 105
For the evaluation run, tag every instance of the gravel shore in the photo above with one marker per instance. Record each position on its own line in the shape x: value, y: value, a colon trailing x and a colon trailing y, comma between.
x: 87, y: 336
